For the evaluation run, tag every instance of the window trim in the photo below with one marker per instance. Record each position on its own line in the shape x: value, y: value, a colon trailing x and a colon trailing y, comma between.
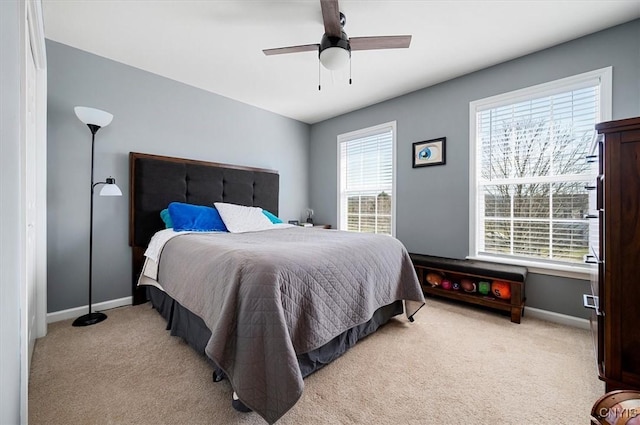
x: 604, y: 75
x: 356, y: 134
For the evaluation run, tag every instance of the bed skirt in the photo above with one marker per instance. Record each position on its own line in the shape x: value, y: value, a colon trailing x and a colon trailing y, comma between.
x: 183, y: 323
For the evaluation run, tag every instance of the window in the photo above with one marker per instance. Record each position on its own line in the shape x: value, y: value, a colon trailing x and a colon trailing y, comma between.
x: 366, y: 180
x: 529, y: 174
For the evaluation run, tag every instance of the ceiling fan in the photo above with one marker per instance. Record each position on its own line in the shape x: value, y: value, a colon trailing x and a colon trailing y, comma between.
x: 335, y: 47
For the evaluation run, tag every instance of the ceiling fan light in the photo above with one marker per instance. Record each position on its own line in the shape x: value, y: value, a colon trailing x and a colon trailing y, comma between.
x: 334, y: 58
x: 335, y: 52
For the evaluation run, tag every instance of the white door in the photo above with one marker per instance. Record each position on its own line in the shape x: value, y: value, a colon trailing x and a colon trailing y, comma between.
x: 28, y: 211
x: 29, y: 200
x: 33, y: 193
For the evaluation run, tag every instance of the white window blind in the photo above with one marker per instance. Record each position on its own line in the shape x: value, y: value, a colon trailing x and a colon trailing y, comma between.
x: 366, y: 180
x: 531, y: 174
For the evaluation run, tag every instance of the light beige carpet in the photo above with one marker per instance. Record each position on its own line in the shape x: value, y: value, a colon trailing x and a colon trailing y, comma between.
x: 455, y: 364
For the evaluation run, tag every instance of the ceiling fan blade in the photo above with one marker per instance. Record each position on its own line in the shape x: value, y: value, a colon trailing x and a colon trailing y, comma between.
x: 292, y: 49
x: 331, y: 18
x: 382, y: 42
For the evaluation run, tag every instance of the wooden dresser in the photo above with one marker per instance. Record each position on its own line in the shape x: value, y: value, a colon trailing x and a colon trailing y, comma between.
x: 616, y: 287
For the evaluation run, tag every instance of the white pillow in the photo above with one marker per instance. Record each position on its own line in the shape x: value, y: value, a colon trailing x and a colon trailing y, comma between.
x: 240, y: 219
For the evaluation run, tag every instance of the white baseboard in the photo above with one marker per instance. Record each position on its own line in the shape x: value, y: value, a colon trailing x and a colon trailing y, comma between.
x: 72, y: 313
x: 536, y: 313
x: 562, y: 319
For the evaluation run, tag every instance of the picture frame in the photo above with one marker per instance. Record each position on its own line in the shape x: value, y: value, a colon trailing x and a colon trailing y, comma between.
x: 429, y: 152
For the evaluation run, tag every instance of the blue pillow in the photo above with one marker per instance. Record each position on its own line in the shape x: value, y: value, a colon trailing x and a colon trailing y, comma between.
x: 273, y: 218
x: 197, y: 218
x: 166, y: 218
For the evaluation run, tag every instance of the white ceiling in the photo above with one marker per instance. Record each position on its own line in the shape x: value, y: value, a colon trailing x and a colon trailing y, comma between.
x: 217, y: 45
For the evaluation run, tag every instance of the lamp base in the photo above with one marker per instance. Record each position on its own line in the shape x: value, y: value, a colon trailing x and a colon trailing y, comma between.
x: 89, y: 319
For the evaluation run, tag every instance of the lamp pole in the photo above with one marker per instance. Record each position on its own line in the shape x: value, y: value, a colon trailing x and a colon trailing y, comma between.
x: 91, y: 318
x: 95, y: 119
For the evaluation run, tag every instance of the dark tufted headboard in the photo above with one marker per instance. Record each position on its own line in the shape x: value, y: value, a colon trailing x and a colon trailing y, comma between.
x: 155, y: 181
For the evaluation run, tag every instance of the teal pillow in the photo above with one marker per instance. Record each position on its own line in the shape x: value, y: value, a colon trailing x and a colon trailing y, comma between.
x: 196, y: 218
x: 273, y: 218
x: 166, y: 218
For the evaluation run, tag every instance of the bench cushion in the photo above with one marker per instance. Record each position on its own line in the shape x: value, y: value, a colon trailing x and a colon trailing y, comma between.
x: 473, y: 267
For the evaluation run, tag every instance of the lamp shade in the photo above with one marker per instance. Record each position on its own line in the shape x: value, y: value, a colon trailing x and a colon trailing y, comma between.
x: 334, y: 58
x: 92, y: 116
x: 110, y: 188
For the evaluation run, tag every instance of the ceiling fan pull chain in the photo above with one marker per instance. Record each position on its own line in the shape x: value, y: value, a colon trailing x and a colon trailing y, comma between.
x: 318, y: 74
x: 349, y: 69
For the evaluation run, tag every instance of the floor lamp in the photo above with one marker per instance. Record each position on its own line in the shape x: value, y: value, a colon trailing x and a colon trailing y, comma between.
x: 95, y: 119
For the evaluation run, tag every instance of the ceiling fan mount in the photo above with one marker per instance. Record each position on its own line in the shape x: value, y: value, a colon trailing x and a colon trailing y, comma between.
x: 335, y: 47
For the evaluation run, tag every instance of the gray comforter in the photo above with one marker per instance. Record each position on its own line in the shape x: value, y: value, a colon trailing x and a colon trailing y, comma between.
x: 267, y: 296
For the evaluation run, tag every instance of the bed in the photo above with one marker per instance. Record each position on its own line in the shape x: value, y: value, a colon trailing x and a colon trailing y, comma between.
x: 268, y: 308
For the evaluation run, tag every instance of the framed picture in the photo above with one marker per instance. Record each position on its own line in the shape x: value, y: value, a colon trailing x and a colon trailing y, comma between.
x: 429, y: 152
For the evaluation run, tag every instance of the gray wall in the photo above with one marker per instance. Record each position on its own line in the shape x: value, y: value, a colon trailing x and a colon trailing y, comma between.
x: 155, y: 115
x: 9, y: 212
x: 433, y: 202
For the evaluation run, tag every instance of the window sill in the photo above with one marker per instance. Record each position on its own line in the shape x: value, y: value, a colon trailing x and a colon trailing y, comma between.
x: 569, y: 271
